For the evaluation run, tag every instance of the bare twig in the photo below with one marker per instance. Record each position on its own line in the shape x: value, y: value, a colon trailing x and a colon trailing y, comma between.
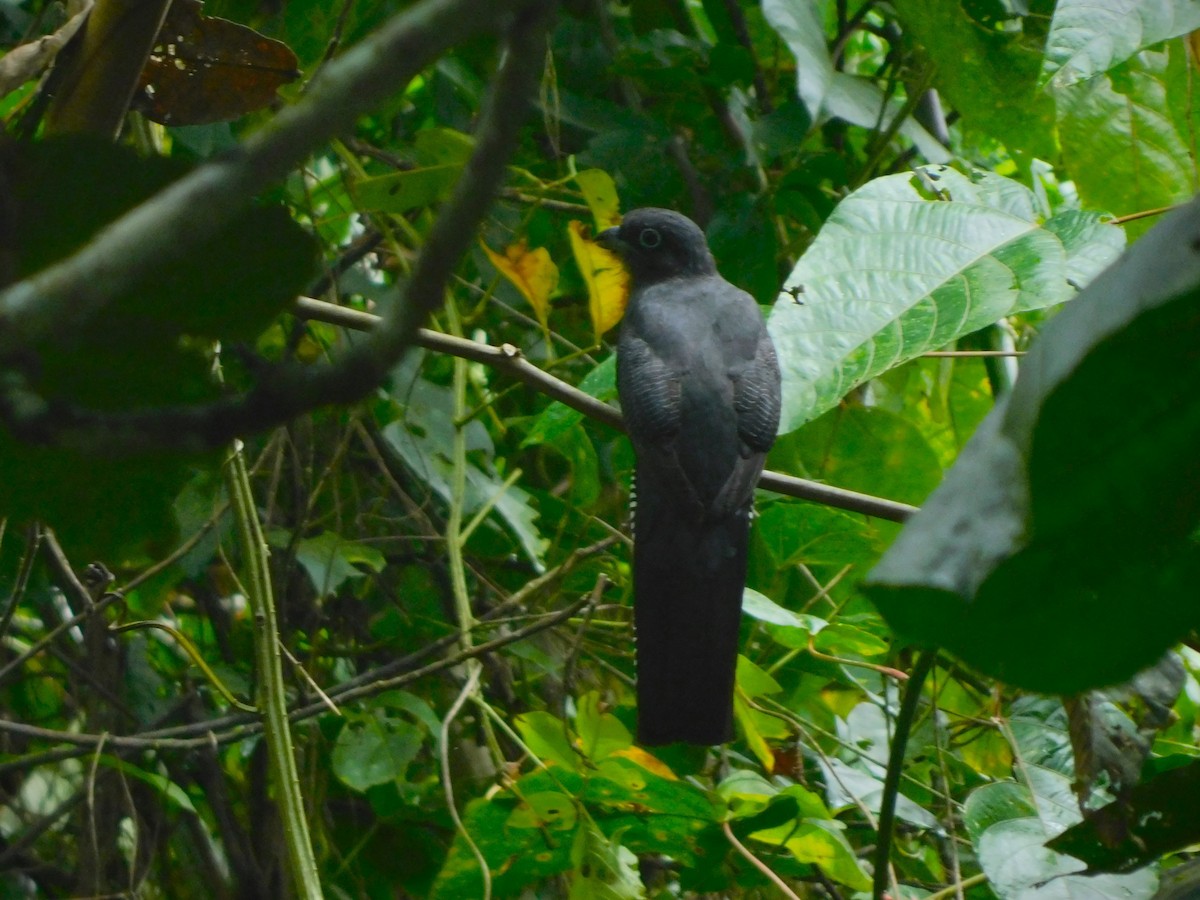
x: 225, y: 729
x: 758, y: 863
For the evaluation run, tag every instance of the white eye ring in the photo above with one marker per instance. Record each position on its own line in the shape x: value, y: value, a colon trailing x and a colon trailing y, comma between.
x: 650, y: 238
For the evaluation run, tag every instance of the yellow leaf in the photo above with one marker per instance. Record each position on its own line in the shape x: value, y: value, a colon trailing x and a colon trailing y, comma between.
x: 646, y: 761
x: 607, y: 282
x: 600, y: 194
x: 532, y: 272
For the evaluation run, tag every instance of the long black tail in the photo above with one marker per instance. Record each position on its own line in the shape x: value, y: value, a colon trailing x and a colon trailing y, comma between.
x: 687, y: 593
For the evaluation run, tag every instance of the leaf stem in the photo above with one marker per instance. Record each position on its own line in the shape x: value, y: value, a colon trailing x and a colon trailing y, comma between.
x: 272, y: 696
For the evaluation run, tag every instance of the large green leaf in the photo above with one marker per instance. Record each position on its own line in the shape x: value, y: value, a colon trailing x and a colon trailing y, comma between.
x: 1009, y: 825
x: 1128, y: 134
x: 1088, y: 38
x: 899, y: 270
x: 1075, y: 498
x: 989, y: 74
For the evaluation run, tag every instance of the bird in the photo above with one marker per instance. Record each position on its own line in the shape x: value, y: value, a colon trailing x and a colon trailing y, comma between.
x: 699, y: 386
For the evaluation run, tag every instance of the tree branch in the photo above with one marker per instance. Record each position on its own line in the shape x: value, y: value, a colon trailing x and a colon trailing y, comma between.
x: 508, y: 359
x: 165, y: 227
x: 287, y: 391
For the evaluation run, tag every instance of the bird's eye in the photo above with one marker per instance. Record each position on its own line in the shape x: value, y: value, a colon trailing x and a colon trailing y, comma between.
x: 650, y: 238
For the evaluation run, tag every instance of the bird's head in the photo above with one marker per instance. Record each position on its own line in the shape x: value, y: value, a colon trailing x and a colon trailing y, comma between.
x: 657, y: 244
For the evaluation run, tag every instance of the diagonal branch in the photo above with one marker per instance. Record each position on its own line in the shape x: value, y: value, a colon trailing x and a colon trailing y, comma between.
x: 285, y: 392
x: 508, y: 359
x: 68, y: 294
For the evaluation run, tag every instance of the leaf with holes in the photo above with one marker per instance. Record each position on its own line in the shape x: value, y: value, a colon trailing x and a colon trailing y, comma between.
x: 203, y: 69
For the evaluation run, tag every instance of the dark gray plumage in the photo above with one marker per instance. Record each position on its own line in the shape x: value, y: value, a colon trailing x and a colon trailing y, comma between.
x: 699, y: 386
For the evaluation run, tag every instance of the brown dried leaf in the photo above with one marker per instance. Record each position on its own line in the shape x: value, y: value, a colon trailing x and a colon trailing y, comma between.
x: 203, y: 69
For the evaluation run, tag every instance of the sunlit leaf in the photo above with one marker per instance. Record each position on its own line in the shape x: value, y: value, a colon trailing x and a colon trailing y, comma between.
x: 531, y: 272
x: 606, y: 279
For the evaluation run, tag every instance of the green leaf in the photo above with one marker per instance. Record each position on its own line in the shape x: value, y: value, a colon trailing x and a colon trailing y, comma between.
x: 600, y: 194
x: 411, y: 189
x: 894, y: 274
x: 840, y: 639
x: 423, y: 436
x: 1083, y: 463
x: 988, y: 74
x: 1088, y: 39
x: 374, y: 750
x: 546, y: 737
x: 801, y: 25
x: 754, y: 680
x: 523, y: 839
x: 799, y: 532
x: 1122, y: 146
x: 846, y: 786
x: 443, y: 147
x: 1009, y: 825
x: 600, y: 732
x: 557, y: 419
x: 330, y: 560
x: 867, y: 449
x: 822, y: 844
x: 763, y: 608
x: 602, y: 869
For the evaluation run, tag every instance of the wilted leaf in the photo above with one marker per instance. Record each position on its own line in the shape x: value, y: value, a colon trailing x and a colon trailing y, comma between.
x: 531, y: 272
x: 606, y: 279
x: 203, y: 69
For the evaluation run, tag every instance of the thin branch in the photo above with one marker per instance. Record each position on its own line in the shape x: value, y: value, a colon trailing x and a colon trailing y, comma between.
x: 448, y: 780
x: 225, y: 729
x: 283, y: 392
x: 508, y: 359
x: 166, y: 227
x: 758, y: 863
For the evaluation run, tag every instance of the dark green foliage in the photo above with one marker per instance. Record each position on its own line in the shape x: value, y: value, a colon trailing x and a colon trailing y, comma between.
x: 1056, y: 550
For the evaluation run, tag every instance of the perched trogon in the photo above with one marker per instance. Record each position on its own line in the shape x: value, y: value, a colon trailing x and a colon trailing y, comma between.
x: 699, y: 387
